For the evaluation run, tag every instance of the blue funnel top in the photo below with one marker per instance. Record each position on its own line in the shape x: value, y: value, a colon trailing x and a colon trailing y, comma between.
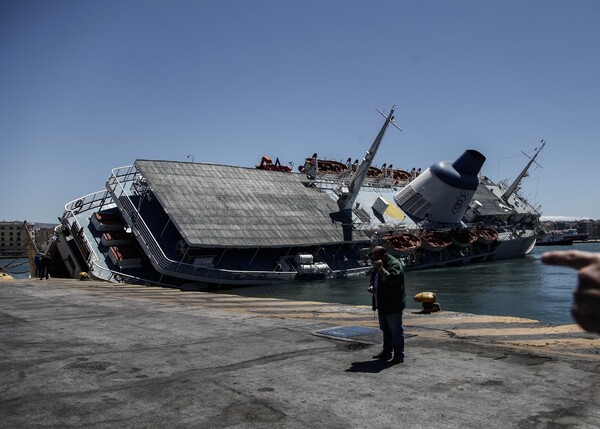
x: 463, y: 172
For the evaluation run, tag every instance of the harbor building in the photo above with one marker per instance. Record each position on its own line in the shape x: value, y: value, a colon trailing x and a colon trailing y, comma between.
x: 13, y: 237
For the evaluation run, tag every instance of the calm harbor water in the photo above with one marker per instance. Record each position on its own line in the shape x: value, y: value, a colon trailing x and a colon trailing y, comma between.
x: 522, y: 287
x: 18, y: 268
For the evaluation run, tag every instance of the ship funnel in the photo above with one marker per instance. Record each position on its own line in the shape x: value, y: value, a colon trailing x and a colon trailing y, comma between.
x: 442, y: 193
x: 469, y: 164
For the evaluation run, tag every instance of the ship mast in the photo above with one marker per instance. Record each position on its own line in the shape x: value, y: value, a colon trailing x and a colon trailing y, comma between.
x: 514, y: 185
x: 349, y: 193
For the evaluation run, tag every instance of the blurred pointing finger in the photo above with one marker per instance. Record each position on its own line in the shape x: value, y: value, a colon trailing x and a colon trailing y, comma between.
x: 570, y: 258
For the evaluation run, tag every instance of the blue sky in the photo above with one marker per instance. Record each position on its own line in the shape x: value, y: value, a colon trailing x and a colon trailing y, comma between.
x: 86, y: 86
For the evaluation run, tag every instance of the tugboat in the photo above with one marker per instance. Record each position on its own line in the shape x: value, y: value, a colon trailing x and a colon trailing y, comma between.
x: 554, y: 238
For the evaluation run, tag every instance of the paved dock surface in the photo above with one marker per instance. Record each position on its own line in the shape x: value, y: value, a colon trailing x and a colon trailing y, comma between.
x: 98, y: 355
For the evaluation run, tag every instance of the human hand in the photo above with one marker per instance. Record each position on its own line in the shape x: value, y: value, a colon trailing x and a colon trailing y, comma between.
x: 370, y: 290
x: 378, y: 264
x: 586, y: 306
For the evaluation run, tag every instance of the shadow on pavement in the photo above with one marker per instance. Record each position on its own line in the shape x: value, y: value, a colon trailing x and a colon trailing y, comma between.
x: 372, y: 366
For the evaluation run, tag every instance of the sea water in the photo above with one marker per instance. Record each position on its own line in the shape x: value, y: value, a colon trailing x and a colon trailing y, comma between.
x: 521, y: 287
x: 18, y: 268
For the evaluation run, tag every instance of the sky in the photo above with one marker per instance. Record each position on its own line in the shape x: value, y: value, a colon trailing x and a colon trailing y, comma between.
x: 88, y: 86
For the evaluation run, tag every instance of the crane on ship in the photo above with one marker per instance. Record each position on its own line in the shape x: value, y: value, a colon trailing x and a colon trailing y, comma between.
x: 347, y: 193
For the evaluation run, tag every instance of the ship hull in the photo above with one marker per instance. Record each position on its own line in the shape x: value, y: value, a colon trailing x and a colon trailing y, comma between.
x: 85, y: 246
x: 206, y: 225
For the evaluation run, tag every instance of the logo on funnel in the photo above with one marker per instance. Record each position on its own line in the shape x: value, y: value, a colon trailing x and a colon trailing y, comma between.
x: 459, y: 203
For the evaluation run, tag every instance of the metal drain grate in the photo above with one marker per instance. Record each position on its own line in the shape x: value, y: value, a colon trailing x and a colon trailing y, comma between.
x: 347, y: 331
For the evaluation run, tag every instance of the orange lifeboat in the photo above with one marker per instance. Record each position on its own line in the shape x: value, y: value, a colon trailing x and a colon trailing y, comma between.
x: 463, y: 237
x: 267, y: 164
x: 401, y: 176
x: 486, y: 235
x: 402, y: 242
x: 331, y: 167
x: 324, y: 166
x: 373, y: 172
x: 435, y: 240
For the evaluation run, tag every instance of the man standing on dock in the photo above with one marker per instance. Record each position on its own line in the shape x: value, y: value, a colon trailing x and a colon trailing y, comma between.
x: 36, y: 261
x: 389, y: 299
x: 44, y: 267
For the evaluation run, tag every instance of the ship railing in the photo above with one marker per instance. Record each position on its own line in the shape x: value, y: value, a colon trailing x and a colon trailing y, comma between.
x: 105, y: 273
x: 349, y: 272
x: 90, y: 202
x: 96, y: 202
x: 328, y: 179
x: 120, y: 187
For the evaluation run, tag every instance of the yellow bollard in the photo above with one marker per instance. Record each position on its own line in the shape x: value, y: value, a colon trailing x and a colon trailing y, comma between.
x: 428, y: 301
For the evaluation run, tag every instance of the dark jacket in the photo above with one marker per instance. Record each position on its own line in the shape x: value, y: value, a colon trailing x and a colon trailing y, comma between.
x: 391, y: 294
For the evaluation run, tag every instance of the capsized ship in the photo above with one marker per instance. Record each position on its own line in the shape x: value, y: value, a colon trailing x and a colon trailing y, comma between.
x: 198, y: 224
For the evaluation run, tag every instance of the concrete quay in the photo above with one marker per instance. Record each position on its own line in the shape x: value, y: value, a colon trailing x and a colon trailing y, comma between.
x: 99, y: 355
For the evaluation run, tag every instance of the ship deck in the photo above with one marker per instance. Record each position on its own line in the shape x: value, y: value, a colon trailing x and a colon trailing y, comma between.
x: 224, y: 206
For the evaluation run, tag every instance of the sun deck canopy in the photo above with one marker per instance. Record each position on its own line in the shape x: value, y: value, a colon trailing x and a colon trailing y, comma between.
x: 226, y: 206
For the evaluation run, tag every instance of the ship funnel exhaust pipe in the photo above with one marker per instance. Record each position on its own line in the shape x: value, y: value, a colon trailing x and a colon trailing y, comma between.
x: 469, y: 163
x: 442, y: 193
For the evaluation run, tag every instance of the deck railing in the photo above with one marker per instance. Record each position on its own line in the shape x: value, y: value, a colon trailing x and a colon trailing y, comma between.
x: 120, y: 185
x: 89, y: 203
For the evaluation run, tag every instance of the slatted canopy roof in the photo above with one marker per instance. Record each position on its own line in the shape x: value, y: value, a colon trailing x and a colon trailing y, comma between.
x: 226, y: 206
x: 490, y: 203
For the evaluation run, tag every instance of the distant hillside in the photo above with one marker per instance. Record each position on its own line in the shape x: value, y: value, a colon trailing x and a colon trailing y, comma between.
x: 564, y: 218
x: 45, y: 225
